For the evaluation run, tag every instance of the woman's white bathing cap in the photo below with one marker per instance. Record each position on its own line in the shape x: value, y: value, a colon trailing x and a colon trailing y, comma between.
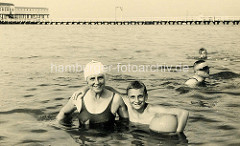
x: 93, y: 68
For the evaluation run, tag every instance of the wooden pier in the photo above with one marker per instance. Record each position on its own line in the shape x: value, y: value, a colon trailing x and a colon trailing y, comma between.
x: 206, y: 20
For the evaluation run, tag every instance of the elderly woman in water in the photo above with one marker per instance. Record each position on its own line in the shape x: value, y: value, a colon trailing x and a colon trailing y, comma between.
x: 97, y: 105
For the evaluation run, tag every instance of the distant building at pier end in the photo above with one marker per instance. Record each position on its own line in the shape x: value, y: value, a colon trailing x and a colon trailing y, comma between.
x: 10, y: 11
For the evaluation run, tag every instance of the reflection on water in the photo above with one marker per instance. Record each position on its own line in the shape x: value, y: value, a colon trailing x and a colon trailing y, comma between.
x: 125, y: 134
x: 31, y: 95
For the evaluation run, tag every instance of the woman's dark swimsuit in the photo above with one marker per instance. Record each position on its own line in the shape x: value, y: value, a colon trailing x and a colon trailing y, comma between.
x: 104, y: 118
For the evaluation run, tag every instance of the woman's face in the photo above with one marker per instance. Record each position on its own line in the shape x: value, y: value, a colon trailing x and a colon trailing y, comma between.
x: 96, y: 82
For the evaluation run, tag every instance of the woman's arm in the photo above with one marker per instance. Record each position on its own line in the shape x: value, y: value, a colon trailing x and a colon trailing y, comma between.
x: 80, y: 93
x: 64, y: 116
x: 121, y: 107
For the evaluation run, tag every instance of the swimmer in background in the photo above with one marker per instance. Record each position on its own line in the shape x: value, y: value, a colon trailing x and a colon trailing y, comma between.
x: 203, y: 54
x: 160, y: 119
x: 201, y: 72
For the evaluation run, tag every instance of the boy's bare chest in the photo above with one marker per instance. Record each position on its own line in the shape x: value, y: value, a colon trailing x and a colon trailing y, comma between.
x: 143, y: 118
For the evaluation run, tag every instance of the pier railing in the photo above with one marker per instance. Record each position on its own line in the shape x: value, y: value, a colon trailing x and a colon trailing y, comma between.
x: 189, y: 20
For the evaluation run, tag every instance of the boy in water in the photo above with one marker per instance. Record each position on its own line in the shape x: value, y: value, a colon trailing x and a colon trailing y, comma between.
x: 141, y: 112
x: 201, y: 71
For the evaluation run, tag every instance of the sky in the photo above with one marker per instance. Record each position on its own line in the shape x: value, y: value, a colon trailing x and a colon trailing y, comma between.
x: 133, y: 8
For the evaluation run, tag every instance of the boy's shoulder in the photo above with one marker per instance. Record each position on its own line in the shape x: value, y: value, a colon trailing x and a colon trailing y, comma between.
x: 192, y: 82
x: 155, y: 107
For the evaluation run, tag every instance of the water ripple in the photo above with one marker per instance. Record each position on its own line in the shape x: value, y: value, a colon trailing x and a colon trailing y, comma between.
x: 209, y: 104
x: 34, y: 142
x: 45, y: 101
x: 61, y: 84
x: 234, y: 144
x: 39, y: 131
x: 2, y: 137
x: 28, y: 95
x: 74, y: 86
x: 33, y: 112
x: 225, y: 127
x: 31, y: 89
x: 44, y: 85
x: 46, y: 117
x: 224, y: 75
x: 202, y: 119
x: 58, y: 89
x: 233, y: 105
x: 219, y: 92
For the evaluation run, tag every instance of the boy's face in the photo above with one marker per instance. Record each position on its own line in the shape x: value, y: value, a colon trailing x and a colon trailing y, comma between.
x: 137, y: 98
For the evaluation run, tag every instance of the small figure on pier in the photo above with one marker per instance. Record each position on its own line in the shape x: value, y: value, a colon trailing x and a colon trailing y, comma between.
x: 201, y: 71
x: 203, y: 53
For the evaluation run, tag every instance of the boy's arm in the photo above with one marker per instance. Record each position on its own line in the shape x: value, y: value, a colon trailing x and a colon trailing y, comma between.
x: 114, y: 90
x: 182, y: 115
x: 80, y: 93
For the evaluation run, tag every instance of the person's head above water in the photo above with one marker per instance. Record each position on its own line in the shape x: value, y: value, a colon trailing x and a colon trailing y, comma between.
x: 202, y: 50
x: 137, y: 94
x: 94, y: 74
x: 201, y: 68
x: 137, y: 85
x: 93, y: 68
x: 203, y: 53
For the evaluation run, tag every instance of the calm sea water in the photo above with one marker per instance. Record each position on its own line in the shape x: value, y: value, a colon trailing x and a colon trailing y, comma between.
x: 34, y: 87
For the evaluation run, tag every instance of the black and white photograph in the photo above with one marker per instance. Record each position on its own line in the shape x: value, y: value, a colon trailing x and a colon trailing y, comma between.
x: 119, y: 72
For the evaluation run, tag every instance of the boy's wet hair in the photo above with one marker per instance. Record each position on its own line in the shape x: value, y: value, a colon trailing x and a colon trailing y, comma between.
x: 137, y: 85
x: 201, y: 50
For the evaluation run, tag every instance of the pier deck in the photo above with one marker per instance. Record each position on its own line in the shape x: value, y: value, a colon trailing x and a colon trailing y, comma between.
x: 206, y: 20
